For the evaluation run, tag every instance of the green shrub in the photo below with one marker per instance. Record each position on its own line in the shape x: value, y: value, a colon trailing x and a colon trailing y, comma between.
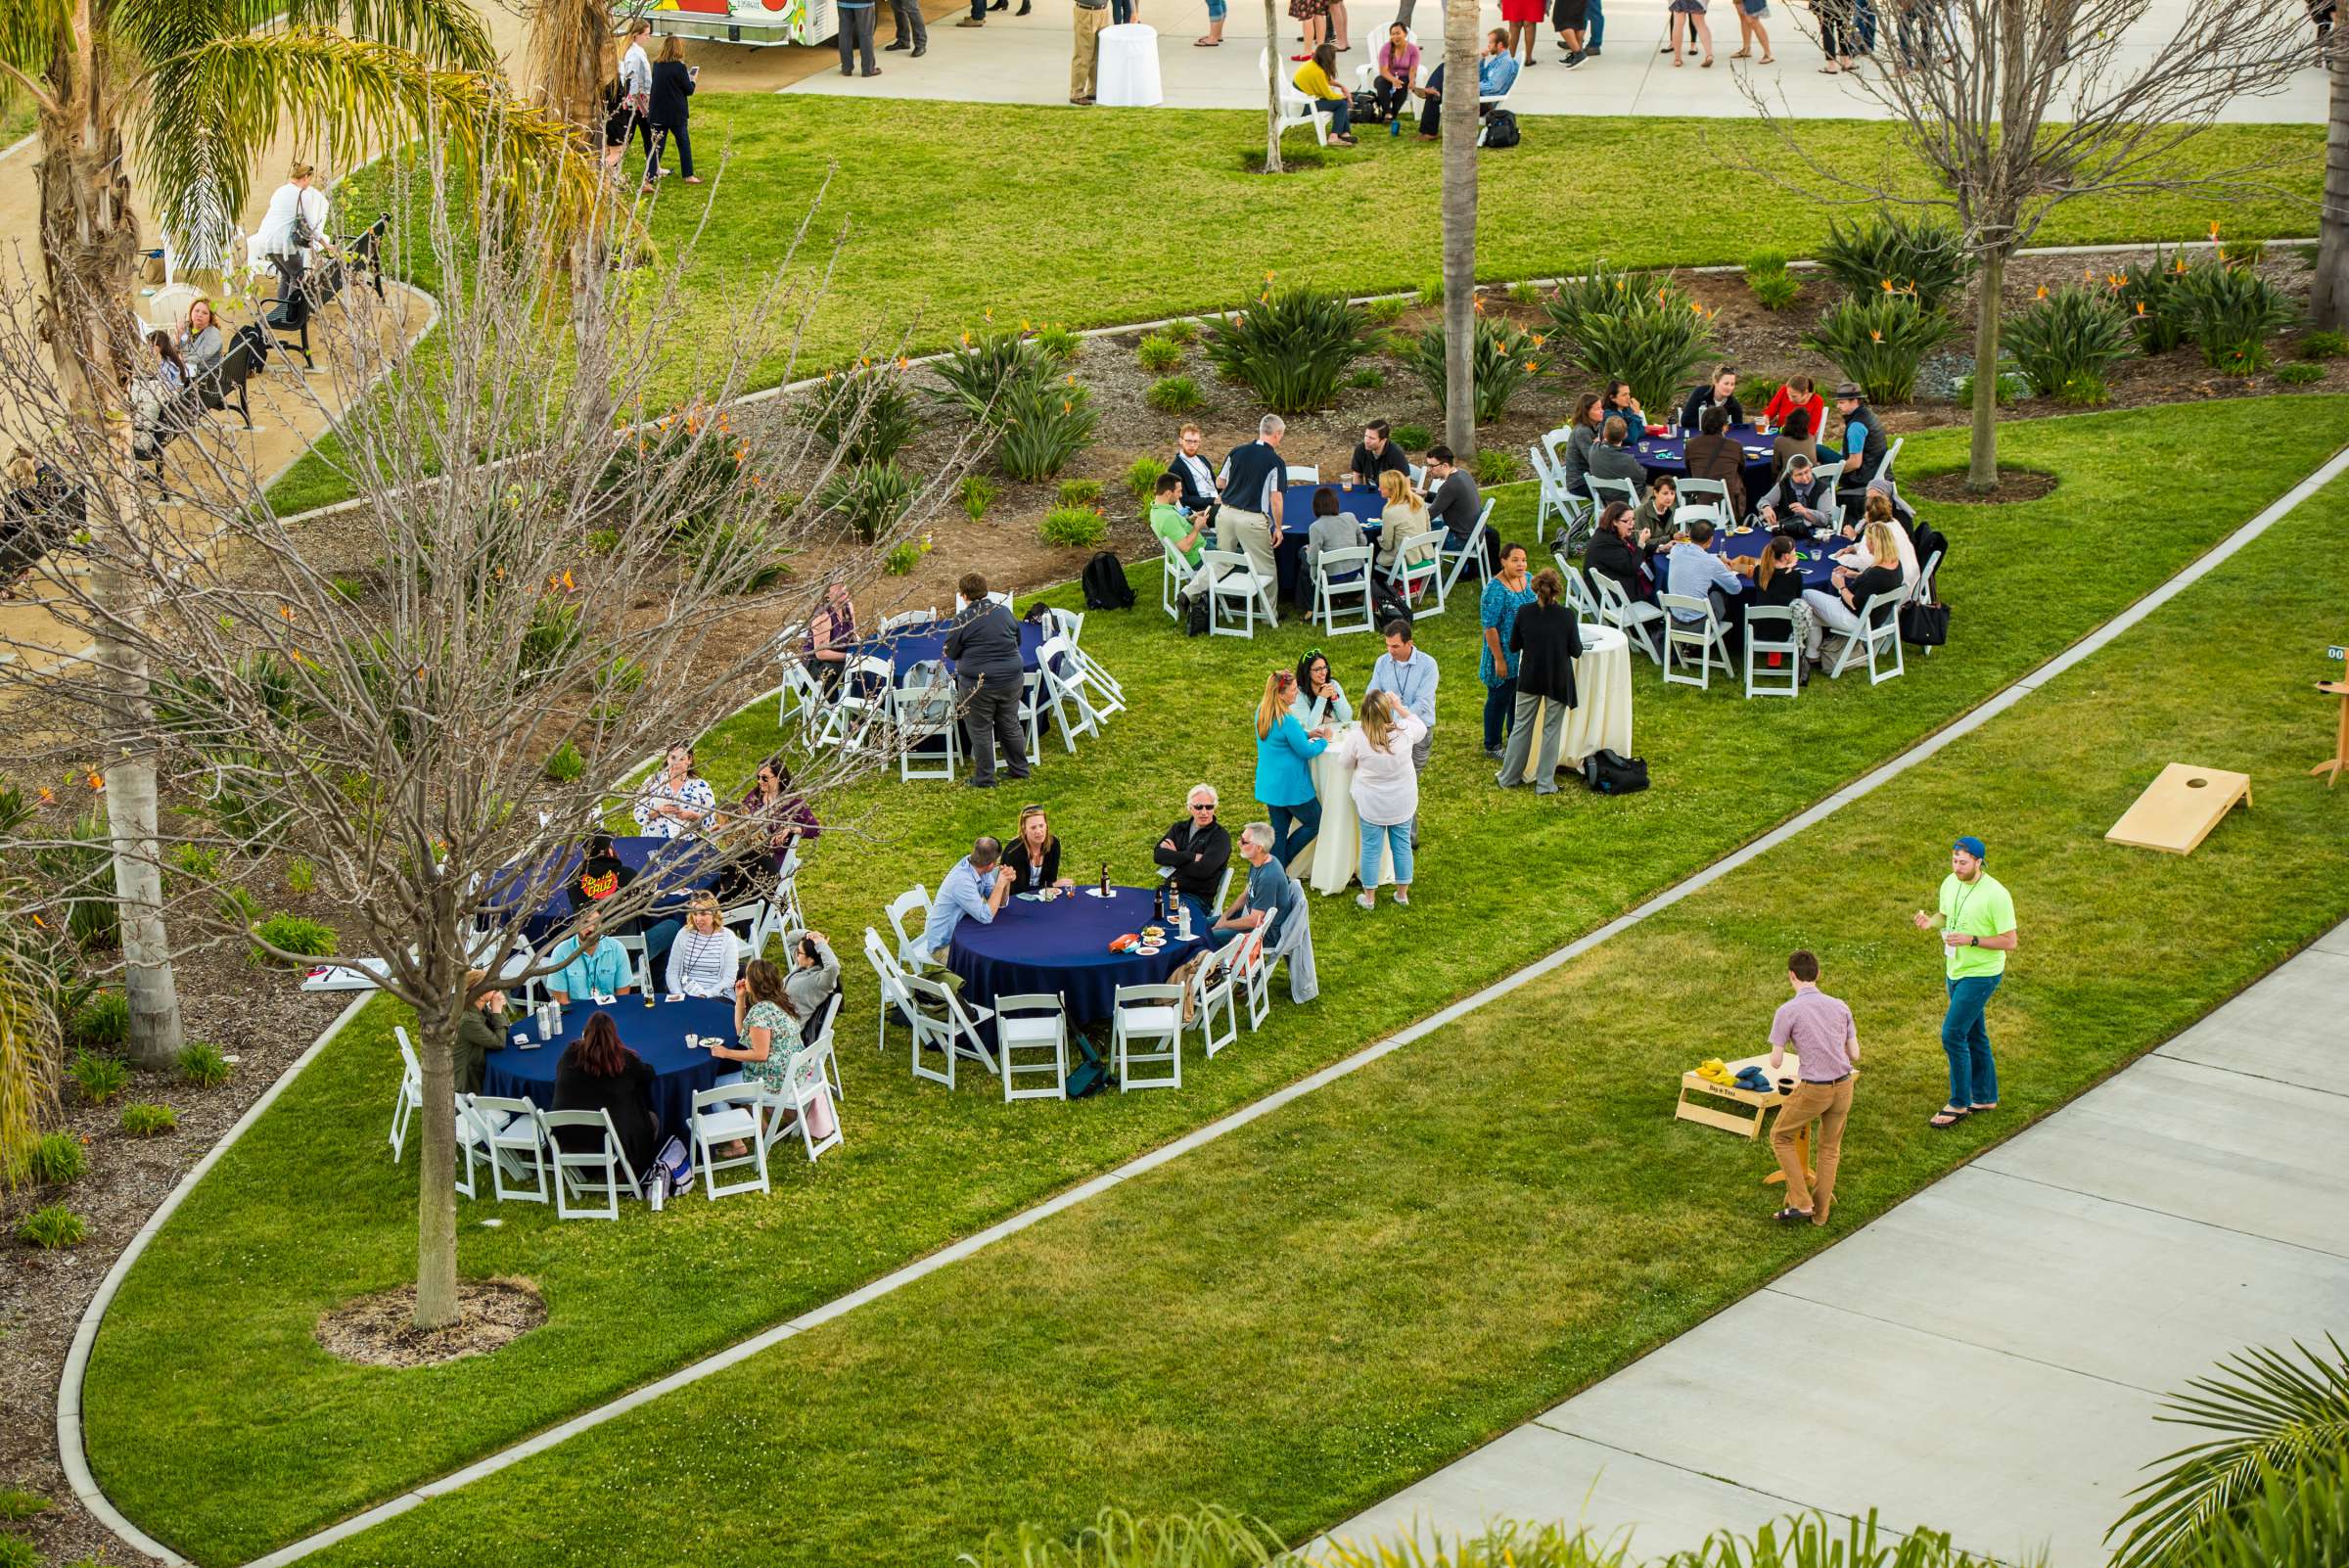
x: 564, y: 764
x: 904, y: 555
x: 142, y: 1119
x: 1815, y: 1541
x: 2067, y: 341
x: 1368, y: 379
x: 1175, y: 394
x: 1774, y: 291
x: 1158, y: 353
x: 2230, y: 315
x: 1645, y: 329
x: 978, y: 494
x: 1386, y: 309
x: 17, y: 1552
x: 1756, y: 392
x: 866, y: 415
x: 197, y: 862
x: 1762, y: 261
x: 1079, y: 492
x: 99, y: 1077
x: 1212, y: 1538
x: 2300, y: 374
x: 1184, y: 330
x: 1043, y: 424
x: 2293, y: 1516
x: 603, y: 542
x: 1431, y: 292
x: 554, y: 631
x: 868, y: 497
x: 1060, y: 343
x: 1074, y: 527
x: 2241, y: 255
x: 1142, y: 479
x: 1496, y: 465
x: 1504, y: 361
x: 237, y: 905
x: 15, y: 809
x: 348, y: 589
x: 50, y: 1160
x: 741, y: 555
x: 18, y: 1505
x: 978, y: 372
x: 201, y: 1064
x: 2323, y: 346
x: 1413, y: 438
x: 84, y: 867
x: 301, y: 876
x: 51, y: 1229
x: 1878, y: 341
x: 101, y: 1020
x: 1290, y: 348
x: 1893, y: 254
x: 314, y: 939
x: 2148, y: 294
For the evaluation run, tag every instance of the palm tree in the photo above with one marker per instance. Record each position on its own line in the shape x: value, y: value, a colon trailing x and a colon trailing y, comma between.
x: 1272, y: 88
x: 1458, y: 111
x: 2330, y: 298
x: 202, y: 90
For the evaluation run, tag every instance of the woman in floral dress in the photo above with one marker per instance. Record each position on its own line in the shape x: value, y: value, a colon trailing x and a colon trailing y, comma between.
x: 678, y: 801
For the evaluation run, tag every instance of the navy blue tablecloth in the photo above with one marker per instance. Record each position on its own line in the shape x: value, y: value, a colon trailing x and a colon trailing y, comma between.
x: 657, y: 1034
x: 913, y: 645
x: 1297, y: 520
x: 1667, y: 454
x: 1063, y: 948
x: 678, y: 867
x: 1817, y: 559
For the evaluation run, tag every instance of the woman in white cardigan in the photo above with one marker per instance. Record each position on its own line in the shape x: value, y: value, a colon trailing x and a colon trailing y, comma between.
x: 705, y: 958
x: 1385, y: 789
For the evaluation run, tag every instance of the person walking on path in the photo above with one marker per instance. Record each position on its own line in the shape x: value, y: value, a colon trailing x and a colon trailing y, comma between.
x: 1084, y: 57
x: 1976, y: 917
x: 672, y: 110
x: 1826, y: 1048
x: 637, y: 89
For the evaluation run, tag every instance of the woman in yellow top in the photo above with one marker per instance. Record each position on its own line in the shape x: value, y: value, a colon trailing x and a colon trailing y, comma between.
x: 1314, y: 79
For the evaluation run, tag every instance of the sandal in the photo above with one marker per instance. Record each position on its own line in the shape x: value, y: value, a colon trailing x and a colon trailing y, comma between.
x: 1946, y: 1118
x: 1743, y: 54
x: 1766, y: 60
x: 1367, y: 901
x: 1830, y: 70
x: 1979, y: 1109
x: 1207, y: 43
x: 1707, y: 63
x: 1792, y: 1217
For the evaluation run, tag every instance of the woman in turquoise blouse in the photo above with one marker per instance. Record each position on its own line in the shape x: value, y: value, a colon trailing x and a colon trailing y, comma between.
x: 1504, y: 596
x: 1284, y: 775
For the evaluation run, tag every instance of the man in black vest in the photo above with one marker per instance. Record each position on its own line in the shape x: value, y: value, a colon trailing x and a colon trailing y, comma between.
x: 1251, y: 480
x: 984, y: 645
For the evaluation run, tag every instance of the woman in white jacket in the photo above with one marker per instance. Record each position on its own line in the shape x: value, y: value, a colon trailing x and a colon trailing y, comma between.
x: 1386, y: 789
x: 297, y: 201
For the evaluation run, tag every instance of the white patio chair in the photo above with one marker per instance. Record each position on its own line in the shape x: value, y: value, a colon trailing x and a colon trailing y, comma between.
x: 939, y: 1019
x: 1484, y: 102
x: 1426, y: 573
x: 1879, y: 635
x: 1605, y: 491
x: 1213, y: 985
x: 1069, y: 623
x: 914, y: 901
x: 638, y: 965
x: 1637, y: 621
x: 1231, y: 580
x: 1255, y: 978
x: 1704, y: 634
x: 730, y: 1113
x: 908, y: 617
x: 806, y: 1082
x: 1173, y: 579
x: 1472, y: 550
x: 1575, y: 589
x: 922, y: 712
x: 1138, y: 1016
x: 1884, y: 466
x: 1061, y: 684
x: 1295, y: 108
x: 1301, y: 473
x: 1707, y: 493
x: 999, y: 596
x: 604, y: 1170
x: 411, y: 1091
x: 890, y: 975
x: 860, y: 710
x: 1032, y: 1045
x: 1556, y: 498
x: 1785, y: 639
x: 1328, y: 593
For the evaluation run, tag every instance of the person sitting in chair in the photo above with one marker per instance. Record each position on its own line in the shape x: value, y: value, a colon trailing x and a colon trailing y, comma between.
x: 590, y: 964
x: 1716, y: 455
x: 1800, y: 505
x: 1196, y: 849
x: 1267, y: 902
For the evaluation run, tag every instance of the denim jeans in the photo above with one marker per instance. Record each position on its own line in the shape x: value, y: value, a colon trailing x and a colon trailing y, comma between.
x: 1120, y: 12
x: 1293, y: 829
x: 1337, y: 108
x: 1973, y: 1076
x: 1501, y: 703
x: 1396, y: 840
x: 1595, y: 17
x: 1215, y: 10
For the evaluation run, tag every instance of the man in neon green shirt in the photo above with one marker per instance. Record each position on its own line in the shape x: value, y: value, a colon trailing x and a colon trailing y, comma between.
x: 1977, y: 921
x: 1179, y: 529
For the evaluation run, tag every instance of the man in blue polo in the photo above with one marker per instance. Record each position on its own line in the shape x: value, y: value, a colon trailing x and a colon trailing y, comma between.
x: 1251, y: 480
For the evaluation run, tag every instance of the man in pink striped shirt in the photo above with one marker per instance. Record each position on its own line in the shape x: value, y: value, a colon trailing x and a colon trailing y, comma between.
x: 1827, y: 1045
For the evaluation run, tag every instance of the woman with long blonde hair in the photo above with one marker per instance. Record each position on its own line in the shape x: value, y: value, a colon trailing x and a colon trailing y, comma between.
x: 1895, y: 542
x: 1386, y: 791
x: 1403, y: 516
x: 1284, y: 774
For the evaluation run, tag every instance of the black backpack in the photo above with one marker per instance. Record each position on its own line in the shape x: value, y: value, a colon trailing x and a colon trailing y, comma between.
x: 1105, y: 584
x: 1195, y: 619
x: 1385, y: 605
x: 1607, y: 773
x: 1500, y: 128
x: 1365, y: 110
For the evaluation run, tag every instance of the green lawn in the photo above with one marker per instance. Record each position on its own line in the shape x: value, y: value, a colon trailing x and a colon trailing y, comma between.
x: 264, y: 1438
x: 1064, y: 215
x: 1321, y: 1307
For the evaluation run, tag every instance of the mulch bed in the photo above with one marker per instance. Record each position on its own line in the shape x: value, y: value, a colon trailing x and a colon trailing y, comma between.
x: 376, y: 1332
x: 2015, y: 486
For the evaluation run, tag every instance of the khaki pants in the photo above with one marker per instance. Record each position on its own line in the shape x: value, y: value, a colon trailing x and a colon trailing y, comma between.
x: 1827, y: 1104
x: 1251, y: 535
x: 1087, y: 52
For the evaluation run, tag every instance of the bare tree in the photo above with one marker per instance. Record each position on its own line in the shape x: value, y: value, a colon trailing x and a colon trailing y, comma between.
x: 566, y: 562
x: 2015, y: 107
x: 1459, y: 121
x: 2329, y: 299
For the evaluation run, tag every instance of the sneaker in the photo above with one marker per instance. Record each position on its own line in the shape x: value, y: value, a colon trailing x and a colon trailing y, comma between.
x: 1402, y: 898
x: 1495, y: 753
x: 1591, y: 50
x: 1575, y: 59
x: 1365, y: 900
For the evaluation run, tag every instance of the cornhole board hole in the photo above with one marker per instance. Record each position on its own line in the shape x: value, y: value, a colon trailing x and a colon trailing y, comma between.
x: 2178, y: 809
x: 1754, y: 1105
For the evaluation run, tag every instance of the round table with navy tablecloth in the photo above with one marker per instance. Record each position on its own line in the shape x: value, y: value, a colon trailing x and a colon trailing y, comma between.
x: 926, y: 642
x: 1817, y: 558
x: 1667, y: 454
x: 677, y: 867
x: 657, y: 1034
x: 1063, y: 948
x: 1360, y: 501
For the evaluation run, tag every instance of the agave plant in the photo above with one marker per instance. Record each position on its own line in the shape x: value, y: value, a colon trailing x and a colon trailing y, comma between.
x: 1645, y: 329
x: 1878, y: 341
x: 1042, y: 424
x: 1814, y: 1541
x: 1290, y: 348
x: 869, y: 415
x: 1507, y: 357
x: 2067, y: 341
x: 1893, y: 254
x: 1598, y: 292
x: 2273, y: 1413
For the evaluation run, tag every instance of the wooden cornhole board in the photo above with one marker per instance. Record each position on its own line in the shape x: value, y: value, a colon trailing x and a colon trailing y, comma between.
x: 1746, y: 1122
x: 2178, y: 809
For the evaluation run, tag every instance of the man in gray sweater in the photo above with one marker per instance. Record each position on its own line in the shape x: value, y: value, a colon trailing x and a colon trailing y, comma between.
x: 984, y: 645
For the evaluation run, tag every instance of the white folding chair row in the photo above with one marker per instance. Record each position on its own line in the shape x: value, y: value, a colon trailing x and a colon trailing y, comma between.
x: 1352, y: 564
x: 1032, y: 1042
x: 1232, y: 580
x: 1637, y: 621
x: 1704, y: 633
x: 509, y: 1135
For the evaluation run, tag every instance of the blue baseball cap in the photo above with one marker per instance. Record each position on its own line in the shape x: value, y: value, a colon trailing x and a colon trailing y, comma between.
x: 1972, y: 845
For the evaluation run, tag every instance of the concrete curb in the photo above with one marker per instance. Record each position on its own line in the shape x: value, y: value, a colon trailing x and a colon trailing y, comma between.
x: 70, y: 1431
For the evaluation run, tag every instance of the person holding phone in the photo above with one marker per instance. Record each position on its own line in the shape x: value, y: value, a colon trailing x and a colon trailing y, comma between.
x: 672, y: 91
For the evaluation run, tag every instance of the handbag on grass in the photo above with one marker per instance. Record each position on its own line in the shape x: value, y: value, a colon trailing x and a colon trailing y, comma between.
x: 1925, y: 626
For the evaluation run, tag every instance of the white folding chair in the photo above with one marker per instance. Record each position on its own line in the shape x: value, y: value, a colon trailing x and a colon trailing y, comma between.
x: 860, y: 710
x: 807, y: 1083
x: 1484, y: 102
x: 1418, y: 478
x: 1212, y: 985
x: 1688, y: 511
x: 730, y: 1113
x: 816, y: 1035
x: 1034, y: 1045
x: 1302, y: 474
x: 1760, y: 679
x: 1606, y: 490
x: 1231, y: 580
x: 1472, y: 550
x: 908, y: 617
x: 914, y: 901
x: 411, y: 1091
x: 1353, y: 564
x: 796, y: 689
x: 889, y: 973
x: 1061, y: 684
x: 922, y: 712
x: 1417, y: 568
x: 1108, y: 694
x: 604, y: 1170
x: 1069, y: 623
x: 1879, y: 634
x: 1884, y: 466
x: 939, y: 1019
x: 749, y: 923
x: 1256, y: 978
x: 999, y: 596
x: 638, y: 961
x: 1575, y: 591
x: 1555, y: 497
x: 1706, y: 493
x: 1635, y: 621
x: 1172, y: 580
x: 1138, y: 1016
x: 1704, y: 634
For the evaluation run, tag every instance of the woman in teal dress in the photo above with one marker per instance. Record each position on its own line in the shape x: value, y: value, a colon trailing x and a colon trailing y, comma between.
x: 1504, y: 596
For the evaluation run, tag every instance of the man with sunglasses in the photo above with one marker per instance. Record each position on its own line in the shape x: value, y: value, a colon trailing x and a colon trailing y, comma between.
x: 1197, y: 848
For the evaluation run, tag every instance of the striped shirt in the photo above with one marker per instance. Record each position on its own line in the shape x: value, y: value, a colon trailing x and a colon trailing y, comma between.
x: 703, y: 965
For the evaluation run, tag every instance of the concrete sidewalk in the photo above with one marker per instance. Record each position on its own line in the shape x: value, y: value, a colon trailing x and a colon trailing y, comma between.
x: 1988, y: 1358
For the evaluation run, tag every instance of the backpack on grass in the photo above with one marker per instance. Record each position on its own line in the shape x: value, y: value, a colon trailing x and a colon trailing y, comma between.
x: 1500, y: 128
x: 1607, y: 773
x: 1105, y: 584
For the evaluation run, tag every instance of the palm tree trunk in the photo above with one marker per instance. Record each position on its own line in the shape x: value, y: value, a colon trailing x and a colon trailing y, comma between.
x: 1272, y: 88
x: 1458, y: 117
x: 89, y: 239
x: 2329, y: 292
x: 1982, y: 462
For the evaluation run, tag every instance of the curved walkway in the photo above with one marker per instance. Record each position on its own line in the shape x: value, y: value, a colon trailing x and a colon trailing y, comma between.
x: 69, y: 1436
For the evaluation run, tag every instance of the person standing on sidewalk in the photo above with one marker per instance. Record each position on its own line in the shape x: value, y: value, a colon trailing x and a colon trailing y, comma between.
x: 856, y: 36
x: 1826, y: 1048
x: 913, y: 28
x: 984, y: 645
x: 1977, y: 921
x: 1084, y: 59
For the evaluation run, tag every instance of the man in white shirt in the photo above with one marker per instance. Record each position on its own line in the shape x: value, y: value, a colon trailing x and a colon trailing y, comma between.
x: 296, y: 222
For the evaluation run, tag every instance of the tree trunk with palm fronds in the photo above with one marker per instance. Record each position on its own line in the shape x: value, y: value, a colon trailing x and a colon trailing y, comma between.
x: 2328, y: 292
x: 1459, y: 225
x: 1271, y: 87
